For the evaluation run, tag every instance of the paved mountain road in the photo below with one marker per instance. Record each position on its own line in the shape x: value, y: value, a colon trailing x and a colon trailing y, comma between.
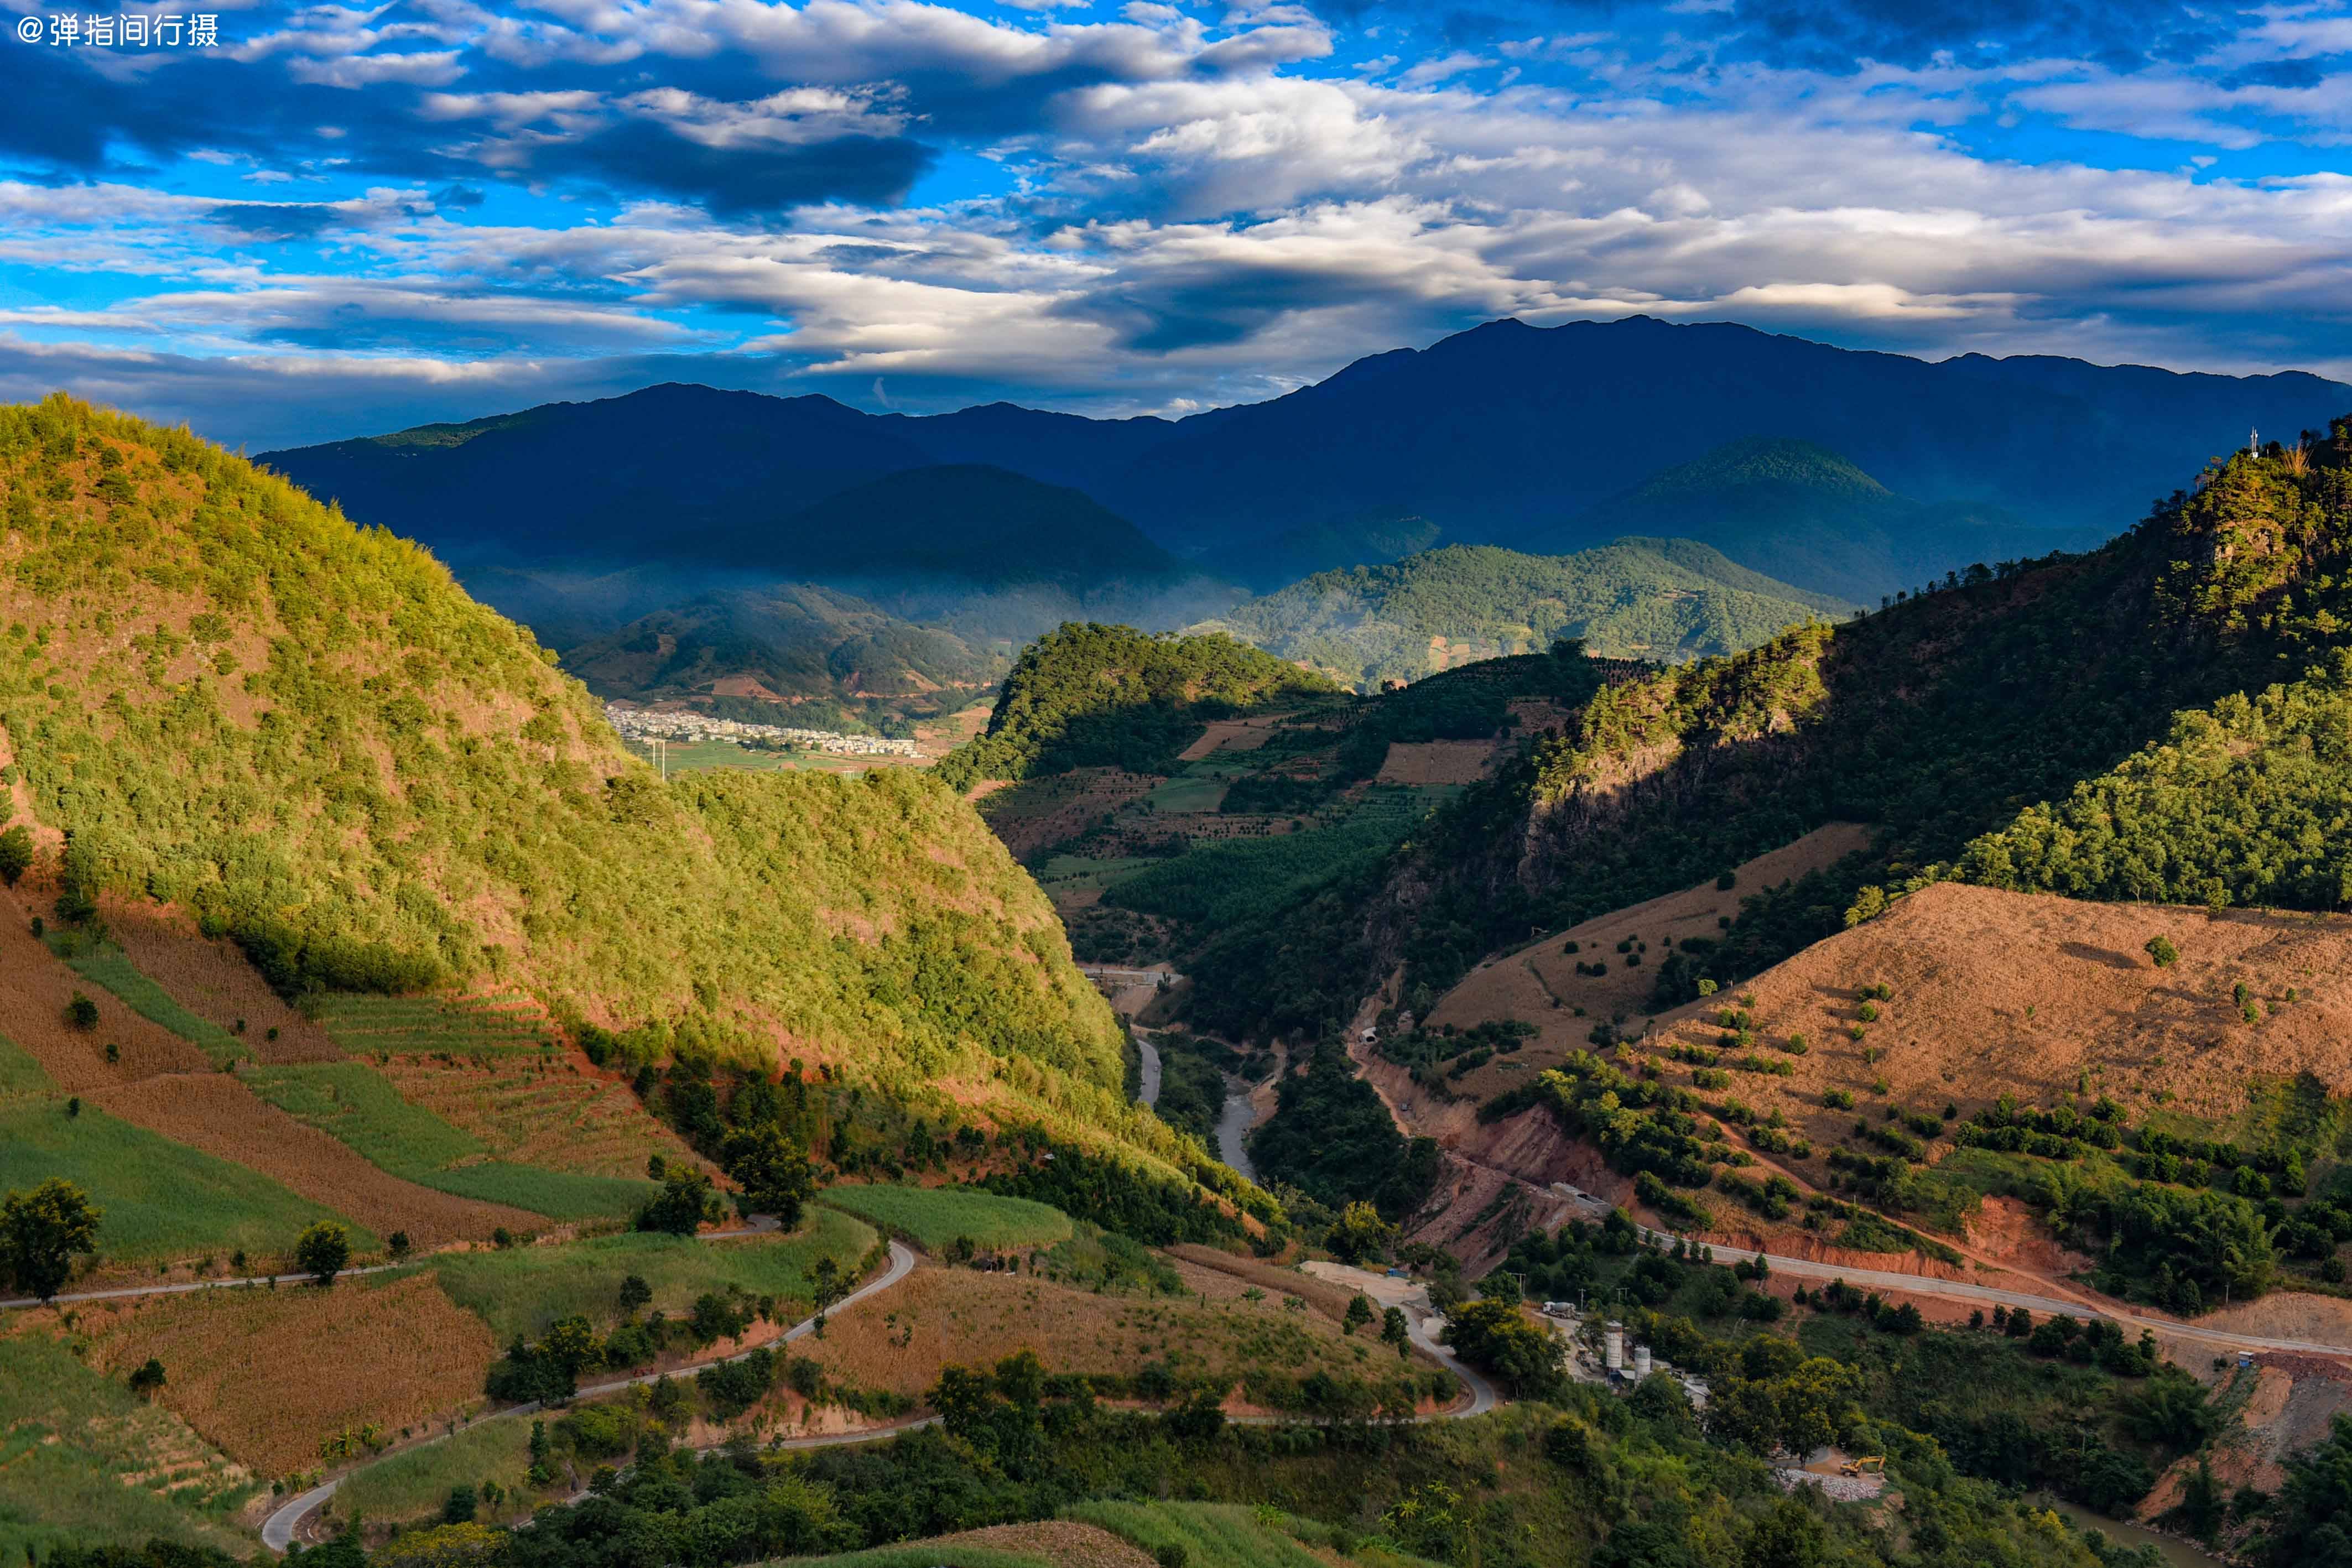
x: 277, y: 1530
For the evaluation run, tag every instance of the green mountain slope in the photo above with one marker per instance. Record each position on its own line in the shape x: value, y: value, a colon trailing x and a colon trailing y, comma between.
x: 227, y: 697
x: 1662, y: 599
x: 1087, y: 694
x: 1804, y: 514
x: 818, y: 658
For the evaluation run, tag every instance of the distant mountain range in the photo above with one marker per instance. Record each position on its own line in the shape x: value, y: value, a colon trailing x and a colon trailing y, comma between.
x: 1663, y: 600
x: 1506, y: 433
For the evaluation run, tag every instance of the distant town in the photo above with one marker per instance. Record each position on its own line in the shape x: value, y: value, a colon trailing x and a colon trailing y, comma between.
x: 646, y: 724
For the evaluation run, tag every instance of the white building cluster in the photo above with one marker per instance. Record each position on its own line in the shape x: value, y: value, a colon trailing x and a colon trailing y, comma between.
x: 646, y: 724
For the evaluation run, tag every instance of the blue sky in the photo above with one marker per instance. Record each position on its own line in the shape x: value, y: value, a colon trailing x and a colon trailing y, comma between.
x: 347, y: 218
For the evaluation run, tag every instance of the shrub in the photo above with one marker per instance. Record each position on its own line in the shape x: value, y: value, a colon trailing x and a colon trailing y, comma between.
x: 2162, y: 952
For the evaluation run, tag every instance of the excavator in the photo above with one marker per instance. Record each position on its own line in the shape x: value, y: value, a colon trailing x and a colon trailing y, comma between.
x: 1875, y: 1462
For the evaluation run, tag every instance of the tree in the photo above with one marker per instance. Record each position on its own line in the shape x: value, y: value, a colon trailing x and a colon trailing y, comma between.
x: 686, y: 1201
x: 1395, y: 1331
x: 2163, y: 953
x: 1495, y: 1337
x: 16, y: 853
x: 398, y: 1245
x: 772, y: 1169
x: 81, y: 1013
x: 1360, y: 1313
x: 41, y: 1233
x: 634, y: 1292
x: 322, y: 1251
x: 461, y: 1507
x: 1360, y: 1234
x: 147, y: 1378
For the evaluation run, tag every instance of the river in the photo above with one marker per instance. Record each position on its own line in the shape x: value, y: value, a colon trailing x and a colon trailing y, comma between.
x: 2174, y: 1551
x: 1233, y: 1130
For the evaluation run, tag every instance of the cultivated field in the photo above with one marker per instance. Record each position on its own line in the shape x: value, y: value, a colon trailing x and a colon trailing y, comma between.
x: 2030, y: 994
x: 1216, y: 1535
x: 83, y: 1461
x: 1231, y: 734
x: 463, y: 1027
x: 354, y: 1104
x: 268, y: 1375
x: 212, y: 981
x: 1037, y: 813
x: 35, y: 987
x: 103, y: 964
x: 20, y: 1074
x: 163, y: 1200
x: 962, y: 1315
x: 933, y: 1218
x: 1437, y: 762
x: 218, y: 1114
x: 522, y: 1289
x: 546, y: 1112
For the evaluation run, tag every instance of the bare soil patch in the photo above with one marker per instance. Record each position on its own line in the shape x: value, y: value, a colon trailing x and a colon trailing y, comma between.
x: 216, y: 1112
x: 211, y: 981
x: 2001, y: 993
x: 1230, y: 734
x: 1438, y: 762
x: 34, y: 988
x: 268, y: 1375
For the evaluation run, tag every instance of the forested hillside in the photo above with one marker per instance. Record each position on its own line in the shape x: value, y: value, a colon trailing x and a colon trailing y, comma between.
x: 1661, y: 600
x: 1090, y: 694
x: 1950, y: 716
x: 219, y: 693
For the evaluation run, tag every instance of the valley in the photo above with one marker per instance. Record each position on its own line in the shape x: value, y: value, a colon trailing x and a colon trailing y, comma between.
x: 1182, y: 1076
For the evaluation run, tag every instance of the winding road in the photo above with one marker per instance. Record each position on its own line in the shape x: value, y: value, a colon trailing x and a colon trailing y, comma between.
x: 277, y: 1530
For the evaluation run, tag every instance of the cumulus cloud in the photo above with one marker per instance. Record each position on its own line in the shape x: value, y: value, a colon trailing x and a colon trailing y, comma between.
x: 1147, y: 205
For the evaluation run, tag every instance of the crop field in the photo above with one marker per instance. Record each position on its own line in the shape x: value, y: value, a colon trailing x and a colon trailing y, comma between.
x: 267, y: 1375
x: 415, y: 1484
x: 84, y: 1461
x: 1186, y: 793
x: 962, y: 1315
x: 933, y: 1217
x: 34, y: 988
x: 103, y: 964
x: 536, y: 1112
x: 461, y: 1026
x: 522, y: 1289
x: 19, y: 1075
x: 218, y: 1114
x: 211, y: 981
x: 358, y: 1106
x: 163, y: 1199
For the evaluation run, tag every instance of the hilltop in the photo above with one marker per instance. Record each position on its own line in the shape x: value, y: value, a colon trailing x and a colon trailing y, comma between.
x: 1660, y: 599
x: 1801, y: 512
x: 221, y: 697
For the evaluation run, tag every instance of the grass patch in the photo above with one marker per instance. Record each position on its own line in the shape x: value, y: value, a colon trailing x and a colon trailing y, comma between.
x: 934, y: 1216
x: 19, y: 1075
x: 163, y: 1199
x: 67, y: 1439
x: 522, y: 1290
x: 353, y: 1103
x: 411, y: 1026
x: 1188, y: 794
x: 105, y: 965
x: 413, y: 1484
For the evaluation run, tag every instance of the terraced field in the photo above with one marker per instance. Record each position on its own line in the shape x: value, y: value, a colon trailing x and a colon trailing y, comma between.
x: 357, y: 1106
x: 84, y: 1461
x: 463, y: 1027
x: 552, y: 1113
